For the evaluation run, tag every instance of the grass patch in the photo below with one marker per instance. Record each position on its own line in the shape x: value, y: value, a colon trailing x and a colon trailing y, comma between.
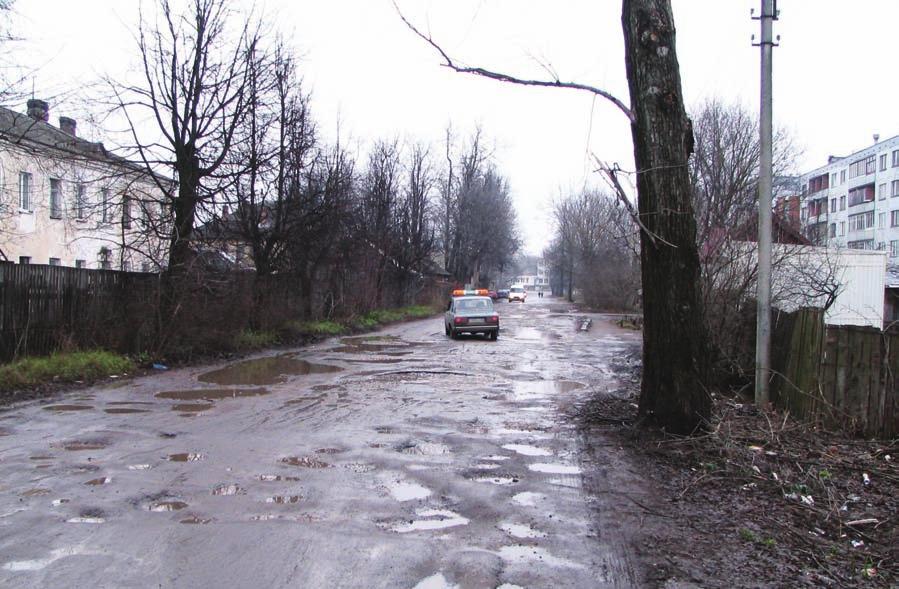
x: 316, y: 327
x: 251, y: 340
x: 378, y: 317
x: 65, y: 367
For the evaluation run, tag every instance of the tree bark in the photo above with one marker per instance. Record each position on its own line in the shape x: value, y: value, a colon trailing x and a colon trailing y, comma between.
x: 674, y: 338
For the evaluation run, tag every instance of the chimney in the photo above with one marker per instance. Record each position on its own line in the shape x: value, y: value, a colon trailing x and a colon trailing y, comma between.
x: 68, y: 125
x: 38, y: 110
x: 876, y: 137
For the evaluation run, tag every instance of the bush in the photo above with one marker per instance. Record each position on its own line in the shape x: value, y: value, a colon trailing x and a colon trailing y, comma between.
x: 316, y: 327
x: 65, y: 367
x: 251, y: 340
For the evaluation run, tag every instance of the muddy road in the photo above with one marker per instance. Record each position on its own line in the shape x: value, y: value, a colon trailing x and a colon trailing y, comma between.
x: 397, y: 459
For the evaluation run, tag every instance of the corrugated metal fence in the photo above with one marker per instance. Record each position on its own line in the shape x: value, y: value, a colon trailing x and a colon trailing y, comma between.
x: 840, y: 376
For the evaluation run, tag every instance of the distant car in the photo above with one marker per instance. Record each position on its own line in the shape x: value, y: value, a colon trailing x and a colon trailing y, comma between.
x: 503, y: 294
x: 517, y: 293
x: 471, y: 312
x: 493, y: 294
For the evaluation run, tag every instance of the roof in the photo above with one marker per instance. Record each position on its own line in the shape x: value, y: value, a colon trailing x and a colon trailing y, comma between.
x: 20, y: 129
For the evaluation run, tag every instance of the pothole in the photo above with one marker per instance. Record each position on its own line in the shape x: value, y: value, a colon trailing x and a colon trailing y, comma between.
x: 226, y: 489
x: 124, y: 410
x: 99, y: 481
x: 554, y: 468
x: 81, y: 445
x: 284, y: 499
x: 185, y: 457
x: 264, y: 371
x: 210, y: 394
x: 521, y: 531
x: 305, y: 462
x: 420, y: 448
x: 162, y: 506
x: 405, y: 491
x: 62, y: 408
x: 526, y: 450
x: 272, y: 478
x: 192, y: 407
x: 195, y: 519
x: 432, y: 519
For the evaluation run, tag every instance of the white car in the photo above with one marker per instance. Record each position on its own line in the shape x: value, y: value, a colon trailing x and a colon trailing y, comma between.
x: 518, y: 293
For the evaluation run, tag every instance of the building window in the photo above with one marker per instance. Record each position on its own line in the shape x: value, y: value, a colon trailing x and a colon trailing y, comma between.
x: 860, y: 195
x: 842, y: 176
x: 126, y: 211
x: 54, y: 261
x: 883, y: 162
x: 895, y: 188
x: 25, y: 191
x: 894, y: 219
x: 882, y: 191
x: 817, y: 207
x: 104, y: 205
x: 881, y: 220
x: 833, y: 205
x: 861, y: 221
x: 24, y: 259
x: 842, y: 203
x: 833, y: 179
x: 818, y: 183
x: 896, y: 158
x: 80, y: 264
x: 80, y: 201
x: 894, y: 248
x: 55, y: 198
x: 842, y: 228
x: 865, y: 244
x: 833, y: 230
x: 104, y: 258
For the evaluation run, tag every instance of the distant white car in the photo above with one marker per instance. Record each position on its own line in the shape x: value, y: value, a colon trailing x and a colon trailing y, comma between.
x: 518, y: 293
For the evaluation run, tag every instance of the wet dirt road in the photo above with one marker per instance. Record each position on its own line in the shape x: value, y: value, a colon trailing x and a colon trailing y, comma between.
x: 397, y: 459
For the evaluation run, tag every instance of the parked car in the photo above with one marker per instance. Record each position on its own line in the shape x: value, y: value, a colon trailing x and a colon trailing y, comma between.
x: 518, y: 293
x: 471, y: 312
x: 503, y: 293
x: 493, y: 294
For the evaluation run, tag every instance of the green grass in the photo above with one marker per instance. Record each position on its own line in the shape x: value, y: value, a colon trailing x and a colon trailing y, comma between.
x: 316, y: 327
x: 383, y: 316
x: 65, y: 367
x: 251, y: 340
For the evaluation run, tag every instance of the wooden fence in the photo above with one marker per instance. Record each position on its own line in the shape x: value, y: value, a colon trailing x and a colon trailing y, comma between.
x: 840, y: 376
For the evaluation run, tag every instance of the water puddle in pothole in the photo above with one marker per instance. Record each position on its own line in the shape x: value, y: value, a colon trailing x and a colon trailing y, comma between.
x: 99, y: 481
x: 330, y: 451
x: 226, y: 489
x: 41, y: 457
x: 162, y: 506
x: 526, y: 450
x: 195, y: 519
x: 528, y: 390
x: 521, y: 531
x: 264, y: 371
x: 124, y: 410
x: 380, y: 344
x: 555, y: 468
x: 138, y: 467
x: 501, y: 481
x: 130, y: 403
x: 185, y: 457
x: 284, y: 499
x: 63, y: 408
x: 210, y: 394
x: 528, y: 499
x: 34, y: 493
x: 273, y: 478
x: 524, y: 554
x: 192, y: 407
x: 89, y: 515
x: 437, y: 519
x: 58, y: 502
x: 305, y: 462
x: 422, y: 448
x: 405, y: 491
x: 81, y: 445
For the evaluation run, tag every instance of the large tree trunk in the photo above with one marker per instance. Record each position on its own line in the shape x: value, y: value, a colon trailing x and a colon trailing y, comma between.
x: 674, y: 339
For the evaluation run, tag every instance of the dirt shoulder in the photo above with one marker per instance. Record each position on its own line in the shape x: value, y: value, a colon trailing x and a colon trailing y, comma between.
x: 760, y: 501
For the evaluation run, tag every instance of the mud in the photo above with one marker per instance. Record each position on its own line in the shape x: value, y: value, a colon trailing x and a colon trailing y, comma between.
x: 210, y: 394
x: 68, y: 408
x: 124, y: 410
x: 305, y: 462
x: 264, y: 371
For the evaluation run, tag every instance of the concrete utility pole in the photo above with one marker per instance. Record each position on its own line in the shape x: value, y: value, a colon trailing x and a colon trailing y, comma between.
x: 763, y: 326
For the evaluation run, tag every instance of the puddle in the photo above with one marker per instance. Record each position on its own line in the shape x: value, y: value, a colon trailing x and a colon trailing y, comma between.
x: 555, y: 468
x: 495, y: 457
x: 228, y: 489
x: 124, y: 410
x: 376, y: 360
x: 98, y: 482
x: 40, y: 457
x: 521, y: 531
x: 435, y: 581
x: 210, y: 394
x: 387, y: 344
x: 485, y: 466
x: 192, y: 407
x: 270, y: 478
x: 538, y: 389
x: 403, y: 491
x: 161, y: 506
x: 528, y: 499
x: 305, y: 462
x: 67, y: 408
x: 185, y: 457
x: 497, y: 480
x: 138, y: 467
x: 264, y: 371
x: 422, y: 448
x: 86, y: 520
x: 34, y: 493
x: 533, y: 553
x: 131, y: 403
x: 195, y: 519
x: 438, y: 519
x: 58, y: 502
x: 284, y: 499
x: 79, y: 445
x: 526, y: 450
x: 330, y: 451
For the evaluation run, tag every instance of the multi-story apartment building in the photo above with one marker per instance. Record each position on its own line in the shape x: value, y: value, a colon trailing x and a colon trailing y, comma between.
x: 68, y: 201
x: 853, y: 201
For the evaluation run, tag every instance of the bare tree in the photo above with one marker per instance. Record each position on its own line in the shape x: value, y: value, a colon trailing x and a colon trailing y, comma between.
x: 195, y: 79
x: 675, y: 344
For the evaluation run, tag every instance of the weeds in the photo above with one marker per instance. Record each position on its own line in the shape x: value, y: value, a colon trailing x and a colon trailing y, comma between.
x: 62, y: 367
x: 251, y: 340
x: 316, y: 327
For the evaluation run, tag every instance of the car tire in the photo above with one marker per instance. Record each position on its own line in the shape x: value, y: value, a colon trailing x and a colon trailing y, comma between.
x: 446, y: 329
x: 453, y: 334
x: 494, y: 336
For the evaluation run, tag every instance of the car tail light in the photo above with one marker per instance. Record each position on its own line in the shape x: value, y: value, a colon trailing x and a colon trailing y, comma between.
x: 493, y: 319
x: 460, y: 321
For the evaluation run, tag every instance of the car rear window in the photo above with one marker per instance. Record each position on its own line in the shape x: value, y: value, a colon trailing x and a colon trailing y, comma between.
x: 517, y: 289
x: 475, y: 305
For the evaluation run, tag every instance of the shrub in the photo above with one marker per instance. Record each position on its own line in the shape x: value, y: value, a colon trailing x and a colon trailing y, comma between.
x: 64, y: 367
x: 249, y: 339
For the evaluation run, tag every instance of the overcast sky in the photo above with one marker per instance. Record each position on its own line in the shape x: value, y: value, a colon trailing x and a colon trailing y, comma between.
x: 835, y: 80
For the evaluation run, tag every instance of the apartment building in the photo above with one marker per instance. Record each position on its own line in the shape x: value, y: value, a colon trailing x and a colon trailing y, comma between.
x: 853, y: 201
x: 67, y: 201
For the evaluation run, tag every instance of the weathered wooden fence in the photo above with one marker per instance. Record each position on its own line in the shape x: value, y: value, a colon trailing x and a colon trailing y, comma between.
x: 840, y: 376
